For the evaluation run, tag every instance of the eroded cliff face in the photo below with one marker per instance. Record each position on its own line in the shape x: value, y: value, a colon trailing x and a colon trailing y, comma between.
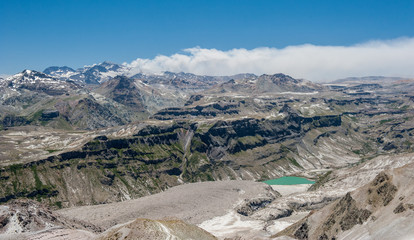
x: 375, y: 211
x: 158, y: 157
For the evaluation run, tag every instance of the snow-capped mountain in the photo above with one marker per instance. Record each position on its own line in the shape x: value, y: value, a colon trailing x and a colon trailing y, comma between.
x: 102, y: 72
x: 39, y: 82
x: 93, y: 74
x: 60, y: 72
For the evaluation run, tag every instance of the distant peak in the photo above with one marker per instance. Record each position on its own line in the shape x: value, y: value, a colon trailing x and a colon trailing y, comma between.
x: 276, y: 75
x: 56, y: 70
x: 27, y: 71
x: 107, y: 63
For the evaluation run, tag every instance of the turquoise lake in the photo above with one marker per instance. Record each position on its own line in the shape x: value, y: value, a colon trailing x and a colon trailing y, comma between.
x: 289, y: 181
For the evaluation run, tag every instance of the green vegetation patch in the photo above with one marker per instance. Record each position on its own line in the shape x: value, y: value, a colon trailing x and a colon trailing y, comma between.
x: 52, y: 150
x: 36, y: 116
x: 405, y: 107
x: 288, y: 180
x: 196, y: 157
x: 322, y: 179
x: 385, y: 121
x: 62, y: 123
x: 204, y: 127
x: 250, y: 140
x: 294, y: 162
x: 159, y: 151
x: 15, y: 167
x: 58, y: 204
x: 38, y: 183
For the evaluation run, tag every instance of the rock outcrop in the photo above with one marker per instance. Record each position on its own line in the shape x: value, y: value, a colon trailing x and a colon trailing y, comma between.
x: 28, y: 216
x: 374, y: 211
x: 157, y: 230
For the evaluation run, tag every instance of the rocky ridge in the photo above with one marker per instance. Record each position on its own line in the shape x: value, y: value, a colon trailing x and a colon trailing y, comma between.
x: 375, y: 210
x: 21, y: 218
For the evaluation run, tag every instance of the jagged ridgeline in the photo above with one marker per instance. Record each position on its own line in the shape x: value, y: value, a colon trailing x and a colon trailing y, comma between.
x: 161, y: 156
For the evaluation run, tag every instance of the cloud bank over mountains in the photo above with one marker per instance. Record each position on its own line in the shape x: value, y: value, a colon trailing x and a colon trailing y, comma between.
x: 318, y: 63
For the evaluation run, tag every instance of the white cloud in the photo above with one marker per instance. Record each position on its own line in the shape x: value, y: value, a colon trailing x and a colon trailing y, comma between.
x: 317, y: 63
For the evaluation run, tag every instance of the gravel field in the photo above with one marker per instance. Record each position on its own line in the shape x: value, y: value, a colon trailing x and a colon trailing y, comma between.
x: 193, y: 203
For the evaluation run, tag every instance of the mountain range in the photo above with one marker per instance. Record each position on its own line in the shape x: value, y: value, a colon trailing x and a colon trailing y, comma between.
x: 84, y: 150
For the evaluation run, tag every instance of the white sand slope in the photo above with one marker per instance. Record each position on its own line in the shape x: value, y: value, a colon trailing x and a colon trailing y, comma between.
x: 231, y: 225
x: 291, y: 189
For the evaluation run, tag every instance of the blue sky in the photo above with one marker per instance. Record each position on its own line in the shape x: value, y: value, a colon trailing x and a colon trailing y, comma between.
x: 37, y: 34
